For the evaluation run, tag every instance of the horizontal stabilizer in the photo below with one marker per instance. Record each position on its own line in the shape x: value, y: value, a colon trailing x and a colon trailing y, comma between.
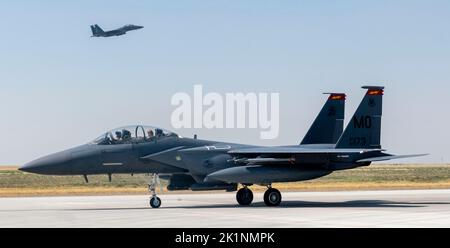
x: 385, y: 158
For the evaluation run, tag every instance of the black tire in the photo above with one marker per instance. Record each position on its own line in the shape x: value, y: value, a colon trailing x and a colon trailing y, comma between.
x: 155, y: 202
x: 244, y: 197
x: 272, y: 197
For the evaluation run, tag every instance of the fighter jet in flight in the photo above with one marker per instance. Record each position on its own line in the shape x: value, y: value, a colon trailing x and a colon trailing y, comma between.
x: 98, y: 32
x: 203, y: 165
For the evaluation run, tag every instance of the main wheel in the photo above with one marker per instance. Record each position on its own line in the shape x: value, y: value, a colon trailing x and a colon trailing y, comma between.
x: 244, y: 197
x: 155, y: 202
x: 272, y: 197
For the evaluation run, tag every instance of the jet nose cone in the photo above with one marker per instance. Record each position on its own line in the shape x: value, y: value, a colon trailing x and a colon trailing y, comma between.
x: 47, y: 165
x: 34, y: 166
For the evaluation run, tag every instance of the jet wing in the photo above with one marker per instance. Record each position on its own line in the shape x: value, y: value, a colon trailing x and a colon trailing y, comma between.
x: 298, y: 150
x: 390, y: 157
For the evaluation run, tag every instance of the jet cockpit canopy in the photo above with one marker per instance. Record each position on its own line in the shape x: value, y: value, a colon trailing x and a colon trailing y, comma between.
x: 133, y: 134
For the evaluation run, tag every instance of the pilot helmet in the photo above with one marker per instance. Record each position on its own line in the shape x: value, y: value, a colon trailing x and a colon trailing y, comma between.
x: 159, y: 132
x: 118, y: 134
x: 126, y: 134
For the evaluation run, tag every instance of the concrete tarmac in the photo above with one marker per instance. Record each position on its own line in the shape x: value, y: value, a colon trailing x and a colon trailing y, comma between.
x: 403, y: 208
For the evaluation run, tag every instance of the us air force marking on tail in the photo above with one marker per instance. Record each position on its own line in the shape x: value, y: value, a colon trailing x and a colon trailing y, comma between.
x: 204, y: 165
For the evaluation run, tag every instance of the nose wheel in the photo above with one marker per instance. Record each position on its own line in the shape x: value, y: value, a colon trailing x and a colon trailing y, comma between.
x: 244, y: 197
x: 272, y: 197
x: 155, y: 201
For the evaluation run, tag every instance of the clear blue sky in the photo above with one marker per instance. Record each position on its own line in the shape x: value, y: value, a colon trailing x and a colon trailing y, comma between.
x: 60, y: 88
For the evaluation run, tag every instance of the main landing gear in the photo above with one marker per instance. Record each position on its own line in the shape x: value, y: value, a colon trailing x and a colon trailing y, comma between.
x: 244, y: 196
x: 272, y: 197
x: 155, y: 201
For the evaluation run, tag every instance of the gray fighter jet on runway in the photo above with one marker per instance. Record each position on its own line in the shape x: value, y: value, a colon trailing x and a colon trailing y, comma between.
x: 202, y: 165
x: 98, y: 32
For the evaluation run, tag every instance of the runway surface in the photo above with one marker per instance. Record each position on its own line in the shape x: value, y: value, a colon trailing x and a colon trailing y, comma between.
x: 412, y: 208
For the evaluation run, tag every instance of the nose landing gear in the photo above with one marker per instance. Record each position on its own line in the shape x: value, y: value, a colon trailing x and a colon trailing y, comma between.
x: 155, y: 201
